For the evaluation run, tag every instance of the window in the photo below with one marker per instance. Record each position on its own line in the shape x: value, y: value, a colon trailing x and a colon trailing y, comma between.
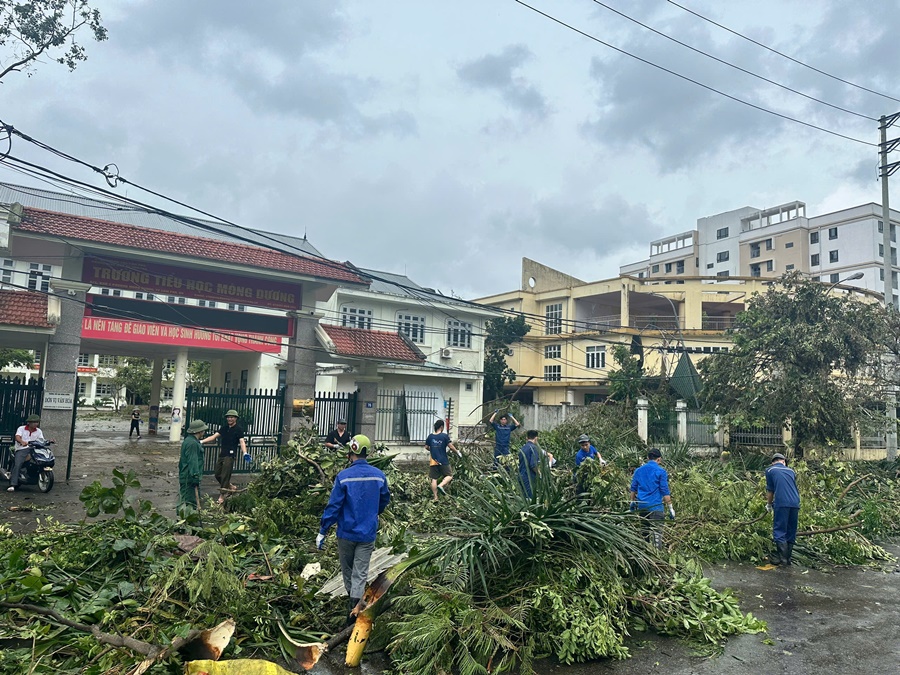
x: 816, y: 278
x: 104, y: 389
x: 679, y: 267
x: 668, y: 267
x: 697, y: 262
x: 282, y: 377
x: 239, y: 308
x: 834, y: 278
x: 754, y: 250
x: 84, y: 360
x: 469, y: 387
x: 725, y: 273
x: 412, y: 326
x: 790, y: 244
x: 770, y: 265
x: 832, y: 233
x: 107, y: 360
x: 227, y: 381
x: 39, y: 277
x: 37, y: 356
x: 207, y: 303
x: 182, y: 301
x: 709, y: 266
x: 814, y: 260
x: 813, y: 237
x: 143, y: 296
x: 6, y: 272
x: 595, y: 357
x: 881, y: 226
x: 170, y: 298
x: 82, y: 389
x: 553, y: 319
x: 640, y: 275
x: 721, y: 256
x: 104, y: 291
x: 356, y: 317
x: 881, y: 274
x: 244, y: 377
x: 459, y: 334
x: 168, y: 393
x: 769, y: 245
x: 893, y: 256
x: 832, y: 256
x: 654, y: 269
x: 552, y: 351
x: 755, y: 271
x: 894, y: 279
x: 788, y: 268
x: 722, y: 233
x: 880, y: 250
x: 552, y: 373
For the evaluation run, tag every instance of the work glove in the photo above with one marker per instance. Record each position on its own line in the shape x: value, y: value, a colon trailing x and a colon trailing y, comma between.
x: 247, y: 458
x: 769, y: 508
x: 633, y: 506
x: 671, y: 512
x: 320, y: 541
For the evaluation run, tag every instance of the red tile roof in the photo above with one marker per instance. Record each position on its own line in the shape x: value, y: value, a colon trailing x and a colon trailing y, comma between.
x: 80, y: 228
x: 371, y: 344
x: 23, y: 308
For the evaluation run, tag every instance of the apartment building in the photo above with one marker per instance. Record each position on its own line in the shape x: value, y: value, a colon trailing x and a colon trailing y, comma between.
x: 766, y: 243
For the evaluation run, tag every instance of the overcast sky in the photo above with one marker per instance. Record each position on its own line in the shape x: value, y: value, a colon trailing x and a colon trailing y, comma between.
x: 447, y: 140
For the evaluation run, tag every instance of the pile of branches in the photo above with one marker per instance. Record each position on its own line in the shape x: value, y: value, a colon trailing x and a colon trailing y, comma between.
x: 494, y: 578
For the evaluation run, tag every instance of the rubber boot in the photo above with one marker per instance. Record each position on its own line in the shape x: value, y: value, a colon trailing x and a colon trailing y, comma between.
x: 352, y: 602
x: 783, y: 554
x: 789, y: 553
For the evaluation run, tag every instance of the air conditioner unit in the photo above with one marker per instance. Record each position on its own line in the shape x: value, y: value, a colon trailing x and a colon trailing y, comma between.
x: 446, y: 352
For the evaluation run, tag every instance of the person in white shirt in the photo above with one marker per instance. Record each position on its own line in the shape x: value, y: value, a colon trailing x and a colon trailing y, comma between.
x: 27, y: 432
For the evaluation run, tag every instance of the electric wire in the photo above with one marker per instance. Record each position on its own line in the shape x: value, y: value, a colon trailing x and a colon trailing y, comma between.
x: 782, y: 54
x: 732, y: 65
x: 691, y: 80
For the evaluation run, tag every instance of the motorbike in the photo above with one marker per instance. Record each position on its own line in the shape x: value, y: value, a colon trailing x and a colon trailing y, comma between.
x: 38, y: 467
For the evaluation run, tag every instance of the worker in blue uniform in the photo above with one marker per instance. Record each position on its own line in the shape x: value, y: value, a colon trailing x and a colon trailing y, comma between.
x: 502, y: 433
x: 529, y: 463
x: 360, y: 493
x: 650, y: 494
x: 783, y: 502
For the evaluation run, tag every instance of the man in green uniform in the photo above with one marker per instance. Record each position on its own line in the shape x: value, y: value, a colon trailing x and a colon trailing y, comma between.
x: 190, y: 467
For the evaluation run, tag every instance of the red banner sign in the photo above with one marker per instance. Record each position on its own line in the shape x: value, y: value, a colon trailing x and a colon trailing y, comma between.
x: 133, y: 275
x: 155, y: 333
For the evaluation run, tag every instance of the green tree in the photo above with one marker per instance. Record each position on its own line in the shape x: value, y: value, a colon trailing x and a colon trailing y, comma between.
x: 21, y: 358
x: 134, y: 376
x: 198, y: 374
x: 30, y: 30
x: 500, y: 333
x: 802, y: 358
x: 625, y: 383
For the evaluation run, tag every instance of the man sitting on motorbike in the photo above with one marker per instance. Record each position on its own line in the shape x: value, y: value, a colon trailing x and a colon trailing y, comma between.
x: 27, y: 432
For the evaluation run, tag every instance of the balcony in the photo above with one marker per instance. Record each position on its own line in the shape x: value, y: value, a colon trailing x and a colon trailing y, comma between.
x: 598, y: 323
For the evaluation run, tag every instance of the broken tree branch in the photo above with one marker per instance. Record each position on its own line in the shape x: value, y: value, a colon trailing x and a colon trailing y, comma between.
x: 850, y: 487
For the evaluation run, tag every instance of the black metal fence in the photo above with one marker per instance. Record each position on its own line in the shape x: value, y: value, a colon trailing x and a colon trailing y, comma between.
x: 766, y: 436
x: 662, y: 425
x: 18, y: 400
x: 700, y: 430
x: 330, y: 407
x: 408, y: 417
x: 260, y: 413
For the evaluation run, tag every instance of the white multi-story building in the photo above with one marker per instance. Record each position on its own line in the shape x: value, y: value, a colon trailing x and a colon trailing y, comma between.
x: 750, y: 242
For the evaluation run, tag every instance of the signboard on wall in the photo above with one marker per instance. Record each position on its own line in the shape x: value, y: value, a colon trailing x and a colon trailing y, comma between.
x: 57, y: 401
x: 126, y: 330
x: 159, y: 279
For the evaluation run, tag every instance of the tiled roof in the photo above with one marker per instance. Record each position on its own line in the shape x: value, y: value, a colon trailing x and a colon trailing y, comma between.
x: 104, y: 232
x: 23, y: 308
x: 375, y: 344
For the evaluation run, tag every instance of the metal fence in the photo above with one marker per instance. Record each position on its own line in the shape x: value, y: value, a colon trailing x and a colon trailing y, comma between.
x: 699, y: 430
x: 408, y: 417
x: 769, y: 435
x: 662, y: 425
x: 260, y: 413
x: 330, y: 407
x: 18, y: 400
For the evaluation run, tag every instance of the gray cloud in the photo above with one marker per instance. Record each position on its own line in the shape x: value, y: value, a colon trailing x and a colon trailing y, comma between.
x: 496, y: 72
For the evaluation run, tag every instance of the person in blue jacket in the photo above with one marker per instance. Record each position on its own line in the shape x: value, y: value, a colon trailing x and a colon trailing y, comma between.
x: 529, y: 462
x: 650, y: 494
x: 783, y: 501
x: 359, y: 495
x: 585, y: 452
x: 502, y: 432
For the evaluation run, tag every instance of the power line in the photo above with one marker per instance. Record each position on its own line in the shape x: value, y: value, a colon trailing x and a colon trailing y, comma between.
x: 782, y: 54
x: 691, y: 80
x: 732, y: 65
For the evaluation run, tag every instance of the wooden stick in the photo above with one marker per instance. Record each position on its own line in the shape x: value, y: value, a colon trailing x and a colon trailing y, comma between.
x: 849, y: 487
x: 315, y: 464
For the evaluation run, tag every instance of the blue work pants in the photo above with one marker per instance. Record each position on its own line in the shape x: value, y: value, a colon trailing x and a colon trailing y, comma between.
x: 784, y: 524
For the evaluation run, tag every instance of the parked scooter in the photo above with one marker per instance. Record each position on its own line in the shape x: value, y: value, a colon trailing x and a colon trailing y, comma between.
x: 38, y: 468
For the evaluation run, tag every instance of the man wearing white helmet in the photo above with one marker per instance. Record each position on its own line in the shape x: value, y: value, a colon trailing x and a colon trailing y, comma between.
x: 359, y: 495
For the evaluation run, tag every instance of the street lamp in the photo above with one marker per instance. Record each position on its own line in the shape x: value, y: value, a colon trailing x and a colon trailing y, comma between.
x: 852, y: 277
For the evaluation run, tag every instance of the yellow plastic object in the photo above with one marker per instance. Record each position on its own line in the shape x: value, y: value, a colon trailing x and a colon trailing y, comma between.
x: 234, y: 667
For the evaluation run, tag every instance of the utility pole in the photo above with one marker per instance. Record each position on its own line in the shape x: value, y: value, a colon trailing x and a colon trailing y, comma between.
x: 885, y: 170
